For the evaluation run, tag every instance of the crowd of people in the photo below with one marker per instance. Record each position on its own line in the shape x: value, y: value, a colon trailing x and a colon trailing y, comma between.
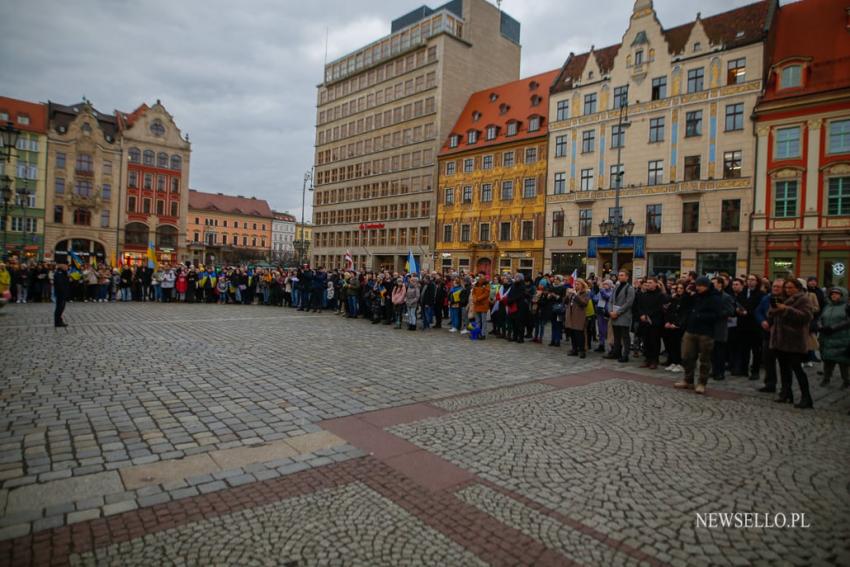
x: 703, y: 327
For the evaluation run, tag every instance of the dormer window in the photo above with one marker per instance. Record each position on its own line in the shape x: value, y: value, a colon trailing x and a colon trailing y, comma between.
x: 503, y: 108
x: 513, y: 127
x: 535, y: 100
x: 476, y: 116
x: 791, y: 77
x: 590, y: 74
x: 472, y: 137
x: 533, y: 85
x: 23, y: 119
x: 491, y: 132
x: 493, y: 97
x: 697, y: 47
x: 639, y: 57
x: 534, y: 124
x: 454, y: 140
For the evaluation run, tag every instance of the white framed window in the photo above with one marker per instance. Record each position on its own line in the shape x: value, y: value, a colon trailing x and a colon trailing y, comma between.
x: 491, y: 132
x: 839, y: 136
x: 790, y: 77
x: 586, y: 179
x: 472, y: 137
x: 560, y: 183
x: 787, y: 143
x: 534, y: 124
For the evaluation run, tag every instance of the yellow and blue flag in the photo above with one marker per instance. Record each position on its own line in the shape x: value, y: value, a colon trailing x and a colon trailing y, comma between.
x: 151, y: 255
x: 410, y: 265
x: 76, y: 261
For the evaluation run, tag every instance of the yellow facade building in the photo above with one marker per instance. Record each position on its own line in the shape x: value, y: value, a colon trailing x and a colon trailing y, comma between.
x: 491, y: 199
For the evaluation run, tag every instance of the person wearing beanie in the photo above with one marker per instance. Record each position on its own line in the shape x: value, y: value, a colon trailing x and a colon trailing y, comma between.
x: 789, y: 337
x: 703, y: 308
x: 834, y: 327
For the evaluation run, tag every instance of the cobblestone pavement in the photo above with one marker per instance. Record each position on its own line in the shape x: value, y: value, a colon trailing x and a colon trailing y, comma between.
x: 195, y: 434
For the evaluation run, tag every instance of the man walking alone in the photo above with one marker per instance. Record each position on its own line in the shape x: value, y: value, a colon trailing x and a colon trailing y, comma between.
x: 61, y: 290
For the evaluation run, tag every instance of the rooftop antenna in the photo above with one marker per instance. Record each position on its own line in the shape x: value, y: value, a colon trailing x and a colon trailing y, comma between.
x: 499, y: 4
x: 326, y: 45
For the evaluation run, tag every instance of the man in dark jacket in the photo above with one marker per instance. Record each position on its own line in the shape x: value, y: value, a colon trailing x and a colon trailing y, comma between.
x: 61, y: 290
x: 649, y: 309
x: 426, y: 299
x: 439, y: 300
x: 704, y: 308
x: 749, y: 328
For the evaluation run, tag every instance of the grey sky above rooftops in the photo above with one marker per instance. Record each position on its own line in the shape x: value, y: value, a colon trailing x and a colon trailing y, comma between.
x: 240, y: 77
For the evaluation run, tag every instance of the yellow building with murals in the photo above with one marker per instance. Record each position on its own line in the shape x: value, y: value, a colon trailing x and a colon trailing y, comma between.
x: 491, y: 198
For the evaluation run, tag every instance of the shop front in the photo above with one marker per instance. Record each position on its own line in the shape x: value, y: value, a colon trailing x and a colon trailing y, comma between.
x: 89, y: 251
x: 631, y: 255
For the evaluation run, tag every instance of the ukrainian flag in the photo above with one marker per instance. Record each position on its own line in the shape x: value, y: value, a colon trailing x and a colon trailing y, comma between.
x: 76, y: 261
x: 151, y: 255
x: 410, y: 265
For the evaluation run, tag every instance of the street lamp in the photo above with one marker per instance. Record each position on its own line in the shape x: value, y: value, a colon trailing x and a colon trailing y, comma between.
x: 9, y: 138
x: 308, y: 178
x: 23, y: 201
x: 6, y: 194
x: 615, y: 227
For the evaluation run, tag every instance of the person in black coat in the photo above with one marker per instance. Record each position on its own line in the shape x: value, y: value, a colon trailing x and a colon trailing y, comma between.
x: 517, y: 308
x: 649, y: 310
x: 61, y: 290
x: 440, y: 295
x: 703, y: 308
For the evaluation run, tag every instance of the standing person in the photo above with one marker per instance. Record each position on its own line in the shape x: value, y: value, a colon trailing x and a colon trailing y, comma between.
x: 191, y: 285
x: 61, y: 291
x: 649, y: 309
x: 704, y: 308
x: 577, y: 298
x: 558, y: 310
x: 776, y: 295
x: 455, y: 299
x: 789, y: 336
x: 674, y: 323
x: 126, y: 283
x: 398, y: 299
x: 481, y: 304
x: 168, y: 281
x: 603, y: 299
x: 22, y: 283
x: 721, y: 330
x: 426, y: 299
x: 834, y: 327
x: 440, y: 297
x: 620, y: 312
x: 181, y: 285
x: 5, y: 283
x: 541, y: 310
x: 750, y: 331
x: 517, y: 308
x: 411, y: 301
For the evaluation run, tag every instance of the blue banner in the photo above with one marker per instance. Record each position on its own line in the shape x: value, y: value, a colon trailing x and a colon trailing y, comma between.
x: 636, y: 243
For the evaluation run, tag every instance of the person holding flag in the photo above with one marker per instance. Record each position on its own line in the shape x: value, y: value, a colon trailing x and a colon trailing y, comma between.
x: 349, y: 261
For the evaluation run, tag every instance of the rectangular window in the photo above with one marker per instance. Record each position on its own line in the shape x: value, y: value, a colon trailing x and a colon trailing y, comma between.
x: 530, y: 155
x: 618, y: 136
x: 104, y: 219
x: 534, y: 124
x: 791, y: 77
x: 468, y: 165
x: 491, y: 132
x: 131, y: 204
x: 486, y: 193
x: 589, y: 103
x: 730, y: 215
x: 563, y: 110
x: 692, y: 168
x: 585, y: 222
x: 653, y: 219
x: 616, y: 174
x: 560, y: 146
x: 690, y: 216
x: 467, y: 194
x: 484, y: 232
x: 735, y: 116
x: 621, y: 95
x: 732, y: 164
x: 588, y: 141
x: 508, y: 159
x: 785, y: 200
x: 512, y: 128
x: 450, y: 168
x: 447, y: 233
x: 148, y: 181
x: 529, y: 188
x: 787, y: 142
x: 487, y: 162
x: 839, y: 136
x: 527, y: 230
x: 60, y: 160
x: 736, y: 71
x: 693, y: 123
x: 146, y: 206
x: 59, y: 187
x: 450, y: 196
x: 639, y: 57
x: 58, y: 214
x: 132, y: 179
x: 560, y: 183
x: 464, y: 233
x: 557, y: 223
x: 472, y: 137
x: 505, y: 231
x: 160, y: 207
x: 507, y: 190
x: 659, y: 88
x: 655, y: 172
x: 586, y: 179
x: 695, y: 80
x: 838, y: 196
x: 656, y: 129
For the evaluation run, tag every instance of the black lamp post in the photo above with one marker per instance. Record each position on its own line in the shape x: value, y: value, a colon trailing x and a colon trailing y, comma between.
x: 308, y: 179
x: 8, y: 141
x: 9, y: 138
x: 616, y: 228
x: 23, y: 201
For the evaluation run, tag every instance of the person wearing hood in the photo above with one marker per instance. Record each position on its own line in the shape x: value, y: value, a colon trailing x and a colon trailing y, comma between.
x: 834, y: 327
x: 517, y: 308
x: 649, y: 309
x: 703, y: 308
x: 789, y: 337
x: 481, y: 304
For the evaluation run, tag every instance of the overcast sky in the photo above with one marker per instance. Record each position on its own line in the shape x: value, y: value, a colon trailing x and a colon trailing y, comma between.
x: 240, y: 77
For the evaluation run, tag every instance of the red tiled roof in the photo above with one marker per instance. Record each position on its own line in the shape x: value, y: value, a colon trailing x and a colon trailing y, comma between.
x: 232, y: 204
x: 499, y: 105
x: 283, y: 216
x: 826, y: 53
x: 734, y: 28
x: 36, y: 111
x: 128, y: 119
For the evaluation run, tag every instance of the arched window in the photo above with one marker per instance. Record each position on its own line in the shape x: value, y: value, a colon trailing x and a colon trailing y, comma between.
x: 162, y: 159
x: 149, y: 157
x: 166, y: 236
x: 82, y: 217
x: 136, y: 233
x: 135, y: 155
x: 176, y: 162
x: 85, y: 162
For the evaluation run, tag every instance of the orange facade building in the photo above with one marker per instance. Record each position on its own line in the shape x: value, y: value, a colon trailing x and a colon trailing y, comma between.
x: 225, y: 229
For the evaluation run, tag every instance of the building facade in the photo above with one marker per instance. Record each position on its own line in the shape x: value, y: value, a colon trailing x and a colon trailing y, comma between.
x: 283, y: 237
x: 801, y: 224
x: 227, y: 229
x: 155, y: 186
x: 666, y: 115
x: 303, y: 241
x: 25, y: 176
x: 491, y: 200
x: 383, y: 112
x: 83, y: 169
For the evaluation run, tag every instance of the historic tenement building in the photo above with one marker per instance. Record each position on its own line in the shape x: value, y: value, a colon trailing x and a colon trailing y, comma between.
x: 24, y: 179
x: 83, y: 174
x: 228, y: 229
x: 383, y: 112
x: 801, y: 224
x: 155, y: 178
x: 283, y: 237
x: 674, y: 106
x: 492, y: 175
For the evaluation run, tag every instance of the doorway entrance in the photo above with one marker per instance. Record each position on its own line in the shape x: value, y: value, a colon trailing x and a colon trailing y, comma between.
x: 606, y: 261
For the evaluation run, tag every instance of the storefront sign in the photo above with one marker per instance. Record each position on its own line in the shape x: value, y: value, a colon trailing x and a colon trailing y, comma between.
x: 838, y: 269
x: 371, y: 226
x: 636, y: 243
